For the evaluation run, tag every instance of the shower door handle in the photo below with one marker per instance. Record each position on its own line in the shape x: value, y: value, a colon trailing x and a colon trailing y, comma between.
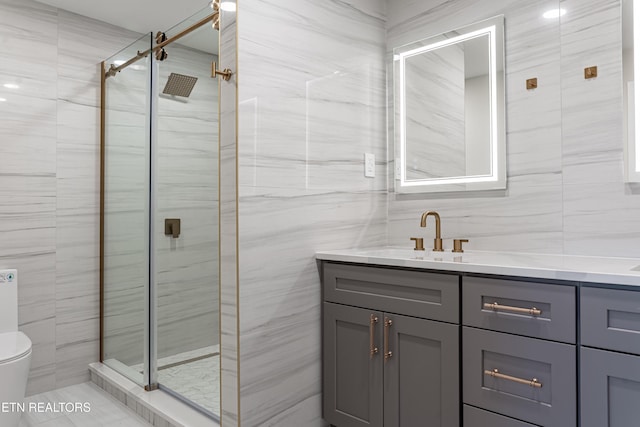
x: 172, y: 227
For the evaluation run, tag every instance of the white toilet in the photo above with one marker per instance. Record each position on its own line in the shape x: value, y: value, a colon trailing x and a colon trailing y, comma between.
x: 15, y: 352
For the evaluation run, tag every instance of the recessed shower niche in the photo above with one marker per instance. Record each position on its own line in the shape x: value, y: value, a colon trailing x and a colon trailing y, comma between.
x: 160, y: 317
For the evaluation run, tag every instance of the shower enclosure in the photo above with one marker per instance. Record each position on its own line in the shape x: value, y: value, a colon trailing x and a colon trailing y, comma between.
x: 160, y: 219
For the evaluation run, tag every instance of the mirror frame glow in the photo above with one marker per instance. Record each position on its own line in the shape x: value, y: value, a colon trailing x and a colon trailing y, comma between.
x: 496, y: 179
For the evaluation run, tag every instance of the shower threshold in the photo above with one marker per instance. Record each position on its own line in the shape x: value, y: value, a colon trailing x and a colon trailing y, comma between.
x: 158, y: 407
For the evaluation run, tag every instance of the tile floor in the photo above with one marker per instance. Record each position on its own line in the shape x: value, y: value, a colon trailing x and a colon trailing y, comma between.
x: 105, y: 411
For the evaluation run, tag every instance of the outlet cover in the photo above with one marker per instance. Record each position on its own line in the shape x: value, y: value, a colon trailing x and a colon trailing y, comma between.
x: 369, y: 165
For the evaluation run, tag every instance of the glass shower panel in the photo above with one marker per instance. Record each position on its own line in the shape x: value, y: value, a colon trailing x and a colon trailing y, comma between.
x: 186, y: 193
x: 126, y: 213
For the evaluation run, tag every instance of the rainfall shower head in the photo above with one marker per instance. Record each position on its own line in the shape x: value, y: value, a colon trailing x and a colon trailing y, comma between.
x: 179, y: 85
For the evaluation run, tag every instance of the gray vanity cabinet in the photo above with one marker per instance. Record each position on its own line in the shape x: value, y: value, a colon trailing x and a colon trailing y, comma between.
x: 525, y: 352
x: 610, y: 380
x: 382, y: 367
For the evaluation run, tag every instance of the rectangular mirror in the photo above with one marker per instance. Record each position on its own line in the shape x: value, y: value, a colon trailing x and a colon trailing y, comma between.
x: 631, y: 20
x: 449, y: 111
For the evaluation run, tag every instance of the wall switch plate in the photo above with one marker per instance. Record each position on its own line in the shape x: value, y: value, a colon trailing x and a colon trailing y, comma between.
x: 369, y: 165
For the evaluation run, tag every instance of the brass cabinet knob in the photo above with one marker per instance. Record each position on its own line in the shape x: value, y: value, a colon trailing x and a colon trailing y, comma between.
x: 419, y: 243
x: 457, y: 245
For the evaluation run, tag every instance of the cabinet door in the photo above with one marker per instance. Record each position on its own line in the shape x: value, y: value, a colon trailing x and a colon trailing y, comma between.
x: 352, y: 374
x: 610, y: 389
x: 421, y: 377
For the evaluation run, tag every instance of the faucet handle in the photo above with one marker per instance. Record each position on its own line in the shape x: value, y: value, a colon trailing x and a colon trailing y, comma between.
x: 419, y: 243
x: 457, y: 245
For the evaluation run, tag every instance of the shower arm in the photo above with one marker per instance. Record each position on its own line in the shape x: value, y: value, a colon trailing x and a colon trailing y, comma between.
x: 113, y: 70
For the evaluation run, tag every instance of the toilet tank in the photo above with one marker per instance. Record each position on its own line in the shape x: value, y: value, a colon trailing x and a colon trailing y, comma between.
x: 8, y: 301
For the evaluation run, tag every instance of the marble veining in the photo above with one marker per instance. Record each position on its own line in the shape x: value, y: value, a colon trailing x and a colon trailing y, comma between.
x: 600, y: 211
x: 28, y: 122
x: 301, y: 150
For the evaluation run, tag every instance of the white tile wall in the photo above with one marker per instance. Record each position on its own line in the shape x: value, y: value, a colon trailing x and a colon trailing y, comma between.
x: 600, y: 211
x: 49, y: 181
x: 311, y: 104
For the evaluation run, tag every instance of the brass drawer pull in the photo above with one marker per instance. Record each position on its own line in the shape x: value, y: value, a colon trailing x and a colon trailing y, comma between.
x: 387, y: 325
x: 497, y: 307
x: 373, y: 350
x: 533, y: 383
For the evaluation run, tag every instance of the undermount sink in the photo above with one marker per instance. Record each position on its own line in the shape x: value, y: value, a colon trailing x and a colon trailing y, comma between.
x: 427, y: 255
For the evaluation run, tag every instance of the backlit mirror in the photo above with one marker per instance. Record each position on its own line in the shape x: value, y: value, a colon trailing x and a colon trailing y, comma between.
x: 449, y: 111
x: 631, y: 20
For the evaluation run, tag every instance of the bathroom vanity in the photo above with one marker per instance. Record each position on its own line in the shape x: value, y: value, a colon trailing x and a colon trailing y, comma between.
x: 479, y: 339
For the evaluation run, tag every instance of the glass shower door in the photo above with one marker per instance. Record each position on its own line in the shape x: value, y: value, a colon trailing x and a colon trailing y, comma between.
x: 125, y: 242
x: 160, y: 323
x: 186, y: 243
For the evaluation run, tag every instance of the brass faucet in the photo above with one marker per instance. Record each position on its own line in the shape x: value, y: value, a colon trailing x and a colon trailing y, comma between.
x: 437, y: 242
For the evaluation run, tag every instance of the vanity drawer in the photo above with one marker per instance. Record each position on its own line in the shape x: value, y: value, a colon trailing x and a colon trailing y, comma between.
x: 512, y: 391
x: 610, y: 319
x: 414, y: 293
x: 556, y: 305
x: 474, y: 417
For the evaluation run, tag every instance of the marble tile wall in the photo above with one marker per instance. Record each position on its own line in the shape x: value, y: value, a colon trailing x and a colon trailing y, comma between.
x: 311, y: 103
x: 528, y: 216
x: 28, y: 125
x: 600, y: 212
x: 48, y: 181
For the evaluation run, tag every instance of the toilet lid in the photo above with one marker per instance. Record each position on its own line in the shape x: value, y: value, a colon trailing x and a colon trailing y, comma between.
x: 13, y: 345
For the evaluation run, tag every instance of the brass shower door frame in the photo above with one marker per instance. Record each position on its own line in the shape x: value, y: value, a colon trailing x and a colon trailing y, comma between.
x: 113, y: 70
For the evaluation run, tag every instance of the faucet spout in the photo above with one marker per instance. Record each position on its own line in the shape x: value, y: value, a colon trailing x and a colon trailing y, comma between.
x: 437, y: 242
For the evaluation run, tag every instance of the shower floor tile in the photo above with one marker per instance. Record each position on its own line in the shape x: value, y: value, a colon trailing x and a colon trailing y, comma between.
x: 198, y: 381
x: 195, y: 375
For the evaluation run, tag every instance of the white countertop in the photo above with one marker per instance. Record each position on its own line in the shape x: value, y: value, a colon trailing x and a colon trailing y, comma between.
x: 618, y: 271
